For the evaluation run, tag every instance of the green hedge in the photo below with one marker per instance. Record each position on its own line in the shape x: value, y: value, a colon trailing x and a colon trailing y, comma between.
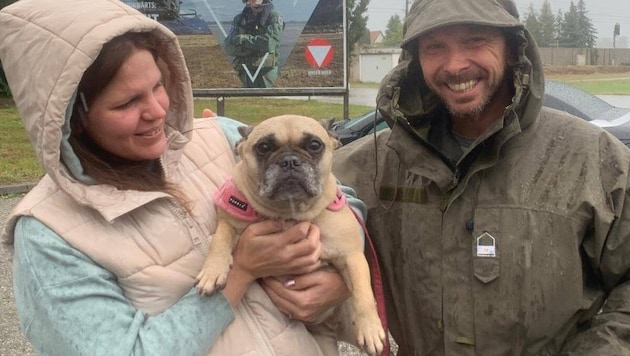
x: 4, y: 86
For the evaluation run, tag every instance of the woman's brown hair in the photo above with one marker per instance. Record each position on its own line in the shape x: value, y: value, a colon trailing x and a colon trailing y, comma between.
x: 103, y: 166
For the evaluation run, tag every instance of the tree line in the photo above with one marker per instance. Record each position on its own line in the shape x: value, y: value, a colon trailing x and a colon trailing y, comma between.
x: 570, y: 29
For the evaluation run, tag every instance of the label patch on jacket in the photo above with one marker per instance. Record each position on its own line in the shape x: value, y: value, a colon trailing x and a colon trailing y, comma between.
x: 486, y: 245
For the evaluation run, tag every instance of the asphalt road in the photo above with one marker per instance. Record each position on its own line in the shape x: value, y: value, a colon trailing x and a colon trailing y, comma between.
x: 12, y: 342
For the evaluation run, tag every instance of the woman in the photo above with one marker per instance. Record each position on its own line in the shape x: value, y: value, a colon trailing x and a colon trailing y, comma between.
x: 109, y: 242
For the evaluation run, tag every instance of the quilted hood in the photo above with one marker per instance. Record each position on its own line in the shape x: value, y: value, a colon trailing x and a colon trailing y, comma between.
x: 46, y: 46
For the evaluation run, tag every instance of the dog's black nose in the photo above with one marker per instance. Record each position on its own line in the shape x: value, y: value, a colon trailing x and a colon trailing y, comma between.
x: 290, y: 162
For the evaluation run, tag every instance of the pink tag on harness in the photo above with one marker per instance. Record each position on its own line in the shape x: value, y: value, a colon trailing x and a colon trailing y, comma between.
x: 231, y: 200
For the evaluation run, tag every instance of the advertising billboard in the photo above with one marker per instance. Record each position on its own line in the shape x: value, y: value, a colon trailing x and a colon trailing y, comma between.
x: 273, y: 46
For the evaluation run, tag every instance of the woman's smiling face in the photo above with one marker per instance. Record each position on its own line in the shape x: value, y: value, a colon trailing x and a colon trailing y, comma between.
x: 127, y: 119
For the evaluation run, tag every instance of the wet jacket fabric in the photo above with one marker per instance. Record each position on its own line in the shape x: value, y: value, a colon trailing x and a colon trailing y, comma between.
x: 511, y: 247
x: 254, y: 42
x: 104, y: 271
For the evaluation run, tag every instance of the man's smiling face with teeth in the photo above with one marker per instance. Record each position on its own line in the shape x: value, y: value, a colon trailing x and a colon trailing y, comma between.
x: 464, y: 65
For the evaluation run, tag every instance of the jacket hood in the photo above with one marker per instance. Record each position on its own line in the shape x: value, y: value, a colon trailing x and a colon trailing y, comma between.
x: 403, y: 93
x: 46, y: 46
x: 431, y: 14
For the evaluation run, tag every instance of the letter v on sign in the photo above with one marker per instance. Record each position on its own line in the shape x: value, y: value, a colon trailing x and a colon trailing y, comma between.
x: 319, y: 52
x: 251, y: 76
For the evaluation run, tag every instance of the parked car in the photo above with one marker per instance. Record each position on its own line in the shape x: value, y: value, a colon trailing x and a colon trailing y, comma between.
x: 558, y: 95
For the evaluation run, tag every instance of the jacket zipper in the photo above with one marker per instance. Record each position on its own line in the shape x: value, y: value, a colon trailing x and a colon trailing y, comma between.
x: 263, y: 346
x: 200, y: 243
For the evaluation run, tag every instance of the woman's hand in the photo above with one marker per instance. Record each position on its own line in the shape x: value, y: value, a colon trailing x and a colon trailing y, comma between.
x: 208, y: 113
x: 306, y: 297
x: 268, y: 249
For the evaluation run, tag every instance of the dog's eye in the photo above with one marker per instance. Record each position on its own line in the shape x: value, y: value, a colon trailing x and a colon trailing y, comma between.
x: 263, y: 148
x: 315, y: 146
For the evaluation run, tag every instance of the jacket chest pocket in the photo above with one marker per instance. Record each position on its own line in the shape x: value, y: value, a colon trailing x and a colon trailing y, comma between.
x: 486, y: 245
x: 486, y: 256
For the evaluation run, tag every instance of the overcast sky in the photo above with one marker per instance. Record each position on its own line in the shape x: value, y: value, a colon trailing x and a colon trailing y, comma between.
x: 603, y: 13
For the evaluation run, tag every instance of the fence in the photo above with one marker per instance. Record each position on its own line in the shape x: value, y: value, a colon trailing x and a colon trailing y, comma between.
x: 585, y: 56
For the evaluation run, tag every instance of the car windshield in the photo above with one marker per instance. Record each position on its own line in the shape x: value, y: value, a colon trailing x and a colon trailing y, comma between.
x: 575, y: 101
x: 359, y: 122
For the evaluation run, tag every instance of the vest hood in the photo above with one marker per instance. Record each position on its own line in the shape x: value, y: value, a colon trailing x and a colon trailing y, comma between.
x: 46, y: 46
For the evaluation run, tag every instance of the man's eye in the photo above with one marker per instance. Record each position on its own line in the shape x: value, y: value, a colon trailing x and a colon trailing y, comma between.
x: 431, y: 48
x: 475, y: 41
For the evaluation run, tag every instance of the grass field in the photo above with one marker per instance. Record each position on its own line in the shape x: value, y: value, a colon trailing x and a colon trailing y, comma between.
x: 18, y: 163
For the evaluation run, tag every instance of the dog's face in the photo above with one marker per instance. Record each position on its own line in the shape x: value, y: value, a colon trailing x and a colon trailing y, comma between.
x: 286, y: 158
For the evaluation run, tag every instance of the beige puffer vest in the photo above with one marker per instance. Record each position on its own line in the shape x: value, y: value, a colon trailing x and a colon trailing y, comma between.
x: 157, y: 249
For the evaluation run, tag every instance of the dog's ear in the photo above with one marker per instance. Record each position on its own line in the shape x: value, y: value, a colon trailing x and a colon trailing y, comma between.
x: 328, y: 125
x: 245, y: 130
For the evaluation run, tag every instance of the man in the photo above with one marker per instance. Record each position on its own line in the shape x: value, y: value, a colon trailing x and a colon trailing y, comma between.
x: 254, y: 42
x: 501, y: 226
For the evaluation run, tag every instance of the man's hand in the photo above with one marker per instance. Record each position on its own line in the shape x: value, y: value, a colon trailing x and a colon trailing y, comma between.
x: 242, y: 38
x: 306, y: 297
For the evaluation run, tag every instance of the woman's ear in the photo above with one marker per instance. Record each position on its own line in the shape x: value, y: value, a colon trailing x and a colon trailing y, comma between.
x: 78, y: 121
x: 83, y: 119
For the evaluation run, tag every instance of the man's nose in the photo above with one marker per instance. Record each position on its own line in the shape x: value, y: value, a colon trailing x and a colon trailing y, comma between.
x: 455, y: 61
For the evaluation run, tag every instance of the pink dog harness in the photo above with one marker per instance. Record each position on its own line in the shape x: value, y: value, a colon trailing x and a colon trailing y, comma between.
x: 230, y: 199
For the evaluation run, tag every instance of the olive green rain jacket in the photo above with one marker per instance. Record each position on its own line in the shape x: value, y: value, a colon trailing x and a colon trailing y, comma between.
x: 518, y: 246
x: 254, y: 42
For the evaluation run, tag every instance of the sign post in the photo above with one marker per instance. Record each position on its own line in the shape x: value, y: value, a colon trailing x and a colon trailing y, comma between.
x: 616, y: 33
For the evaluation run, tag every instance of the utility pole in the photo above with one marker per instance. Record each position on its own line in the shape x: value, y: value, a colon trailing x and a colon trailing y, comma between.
x: 616, y: 33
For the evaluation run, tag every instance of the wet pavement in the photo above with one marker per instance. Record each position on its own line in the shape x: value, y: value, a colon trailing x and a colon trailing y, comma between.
x: 12, y: 342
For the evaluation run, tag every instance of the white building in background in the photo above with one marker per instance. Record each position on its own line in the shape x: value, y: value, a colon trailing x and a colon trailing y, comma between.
x: 375, y: 63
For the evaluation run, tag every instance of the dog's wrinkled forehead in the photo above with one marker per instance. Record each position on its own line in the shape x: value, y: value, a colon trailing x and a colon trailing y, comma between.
x: 288, y: 129
x: 277, y: 139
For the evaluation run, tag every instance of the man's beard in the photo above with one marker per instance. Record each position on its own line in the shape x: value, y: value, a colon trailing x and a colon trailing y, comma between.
x: 473, y: 113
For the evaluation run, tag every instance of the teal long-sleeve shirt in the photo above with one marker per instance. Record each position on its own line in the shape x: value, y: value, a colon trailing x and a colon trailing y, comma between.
x: 68, y: 305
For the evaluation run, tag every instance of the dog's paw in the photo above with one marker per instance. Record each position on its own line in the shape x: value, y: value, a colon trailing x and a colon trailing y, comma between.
x: 370, y: 336
x: 213, y: 276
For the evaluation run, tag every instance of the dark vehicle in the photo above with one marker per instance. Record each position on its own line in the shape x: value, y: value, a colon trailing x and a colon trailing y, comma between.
x: 558, y: 96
